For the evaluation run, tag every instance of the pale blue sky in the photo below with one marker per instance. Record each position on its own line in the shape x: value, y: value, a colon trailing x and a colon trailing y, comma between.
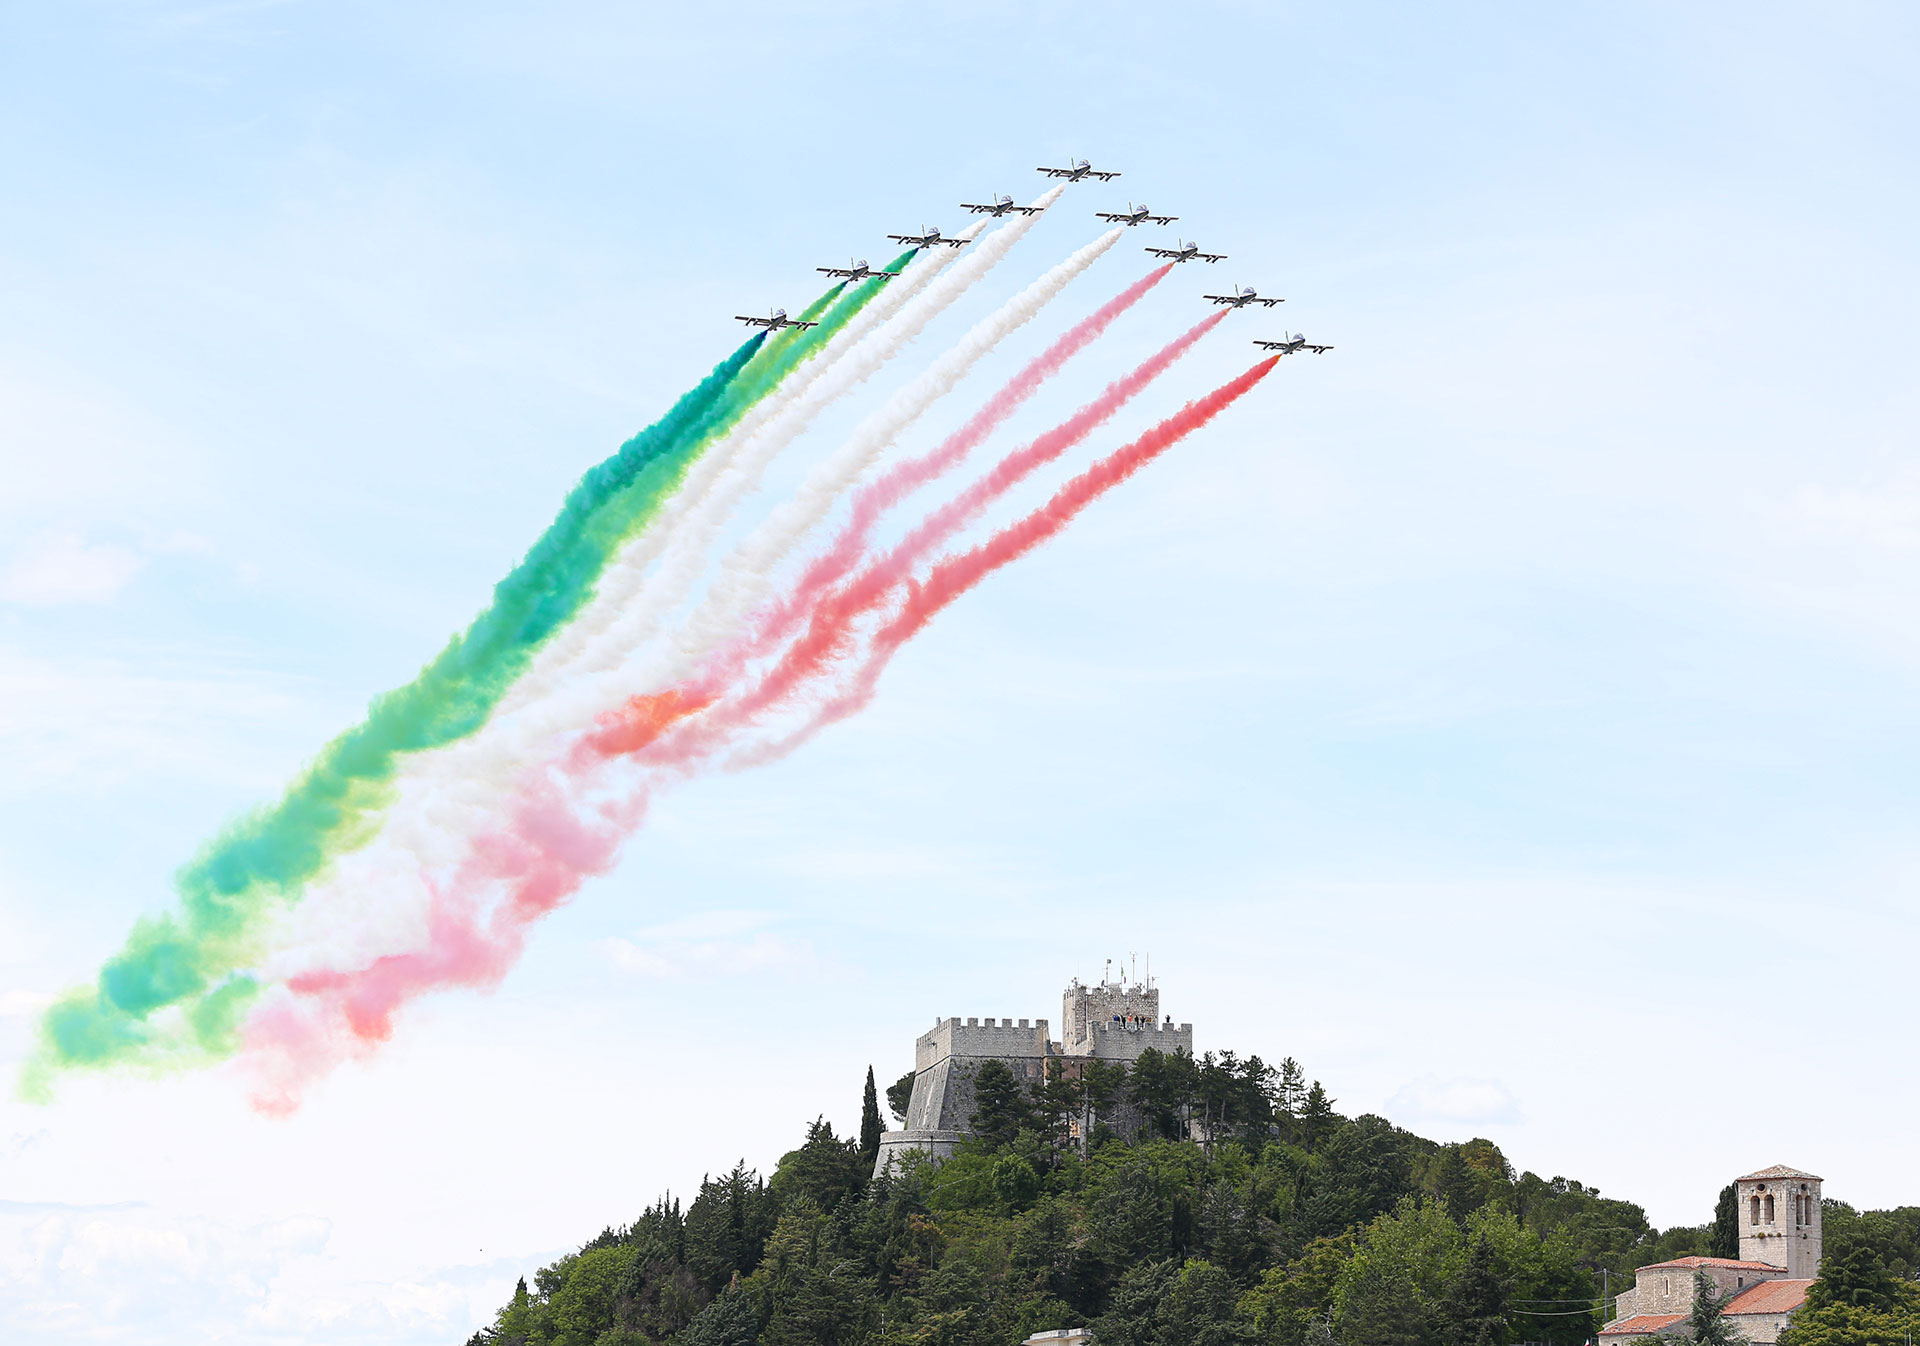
x: 1512, y: 714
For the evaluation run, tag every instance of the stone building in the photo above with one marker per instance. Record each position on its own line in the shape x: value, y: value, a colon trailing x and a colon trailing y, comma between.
x: 1779, y: 1259
x: 1115, y: 1020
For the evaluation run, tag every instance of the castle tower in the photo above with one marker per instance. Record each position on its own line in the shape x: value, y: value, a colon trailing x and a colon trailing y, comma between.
x: 1780, y: 1220
x: 1117, y: 1020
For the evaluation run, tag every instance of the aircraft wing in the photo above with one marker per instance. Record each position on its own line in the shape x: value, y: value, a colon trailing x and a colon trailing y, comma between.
x: 1104, y: 177
x: 754, y: 322
x: 834, y: 270
x: 1222, y: 298
x: 1111, y: 219
x: 803, y: 326
x: 908, y: 238
x: 1269, y: 302
x: 1164, y: 252
x: 953, y: 242
x: 1319, y: 350
x: 1055, y: 172
x: 978, y: 210
x: 1163, y: 219
x: 1211, y: 256
x: 1027, y: 210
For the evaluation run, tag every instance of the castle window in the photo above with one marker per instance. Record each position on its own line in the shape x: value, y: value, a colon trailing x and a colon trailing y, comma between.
x: 1754, y: 1218
x: 1769, y: 1209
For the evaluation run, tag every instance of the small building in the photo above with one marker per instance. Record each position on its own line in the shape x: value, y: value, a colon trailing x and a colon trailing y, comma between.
x: 1779, y: 1260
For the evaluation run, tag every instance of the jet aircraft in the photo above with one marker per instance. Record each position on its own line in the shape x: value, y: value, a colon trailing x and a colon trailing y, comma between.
x: 1077, y: 169
x: 1002, y: 205
x: 1241, y: 297
x: 775, y: 320
x: 1135, y: 215
x: 855, y: 272
x: 1295, y: 342
x: 1186, y: 252
x: 926, y: 238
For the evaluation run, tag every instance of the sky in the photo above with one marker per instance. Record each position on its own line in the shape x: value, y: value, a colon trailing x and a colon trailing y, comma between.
x: 1512, y: 714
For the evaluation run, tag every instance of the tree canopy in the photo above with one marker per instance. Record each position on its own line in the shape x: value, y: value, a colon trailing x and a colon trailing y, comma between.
x: 1185, y: 1202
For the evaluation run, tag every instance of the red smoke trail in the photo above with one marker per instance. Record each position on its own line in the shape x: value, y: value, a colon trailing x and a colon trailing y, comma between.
x: 832, y: 626
x: 644, y: 718
x: 554, y: 843
x: 895, y: 484
x: 536, y: 863
x: 953, y: 576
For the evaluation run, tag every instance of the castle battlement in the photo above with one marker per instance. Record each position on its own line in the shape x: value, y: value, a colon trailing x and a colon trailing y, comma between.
x: 1001, y: 1039
x: 1115, y: 1020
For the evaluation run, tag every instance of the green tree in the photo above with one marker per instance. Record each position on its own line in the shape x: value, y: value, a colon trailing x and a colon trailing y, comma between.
x: 1000, y: 1104
x: 1473, y: 1311
x: 1198, y: 1309
x: 583, y: 1309
x: 1163, y: 1085
x: 1294, y: 1305
x: 1317, y: 1117
x: 870, y: 1127
x: 1101, y: 1085
x: 1389, y: 1291
x: 899, y: 1095
x: 1133, y: 1319
x: 1853, y: 1273
x: 1725, y: 1239
x: 730, y: 1320
x: 1015, y: 1184
x: 1836, y: 1324
x: 826, y: 1169
x: 519, y: 1320
x: 1706, y: 1322
x: 727, y: 1226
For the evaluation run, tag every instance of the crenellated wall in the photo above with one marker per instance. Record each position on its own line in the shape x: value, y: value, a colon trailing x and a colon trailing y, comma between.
x: 947, y: 1056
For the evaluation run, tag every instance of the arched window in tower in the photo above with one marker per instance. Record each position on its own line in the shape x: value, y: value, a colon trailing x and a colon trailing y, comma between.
x: 1769, y: 1208
x: 1753, y: 1216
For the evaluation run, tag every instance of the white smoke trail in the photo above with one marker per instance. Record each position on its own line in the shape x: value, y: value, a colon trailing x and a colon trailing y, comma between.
x: 747, y: 575
x: 626, y: 573
x: 626, y: 616
x: 375, y: 898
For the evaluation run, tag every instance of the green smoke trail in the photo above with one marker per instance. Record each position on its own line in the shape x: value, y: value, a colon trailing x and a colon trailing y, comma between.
x: 189, y: 960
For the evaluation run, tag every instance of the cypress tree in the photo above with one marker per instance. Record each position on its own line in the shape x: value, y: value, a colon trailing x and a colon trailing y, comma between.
x: 1724, y: 1241
x: 870, y: 1127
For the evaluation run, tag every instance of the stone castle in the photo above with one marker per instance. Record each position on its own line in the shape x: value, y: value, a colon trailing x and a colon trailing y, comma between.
x: 1113, y: 1021
x: 1779, y: 1259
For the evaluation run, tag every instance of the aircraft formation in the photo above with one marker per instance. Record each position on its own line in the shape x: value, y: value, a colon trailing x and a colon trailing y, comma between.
x: 998, y: 205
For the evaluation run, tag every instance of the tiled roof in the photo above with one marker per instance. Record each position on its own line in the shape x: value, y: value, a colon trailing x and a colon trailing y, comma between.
x: 1780, y: 1171
x: 1640, y: 1324
x: 1770, y: 1297
x: 1696, y: 1263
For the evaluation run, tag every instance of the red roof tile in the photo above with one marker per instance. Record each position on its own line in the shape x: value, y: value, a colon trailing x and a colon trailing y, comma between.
x: 1770, y: 1297
x: 1640, y: 1324
x: 1696, y: 1263
x: 1780, y: 1171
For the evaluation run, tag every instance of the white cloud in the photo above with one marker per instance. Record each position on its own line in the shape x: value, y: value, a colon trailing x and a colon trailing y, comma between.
x: 1467, y: 1102
x: 89, y: 723
x: 66, y: 568
x: 129, y: 1271
x: 710, y: 945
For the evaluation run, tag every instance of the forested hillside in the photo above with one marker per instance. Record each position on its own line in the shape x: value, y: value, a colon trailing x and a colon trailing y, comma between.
x: 1286, y: 1223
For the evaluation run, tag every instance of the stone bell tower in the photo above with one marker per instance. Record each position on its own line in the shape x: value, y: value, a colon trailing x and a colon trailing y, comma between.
x: 1780, y: 1220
